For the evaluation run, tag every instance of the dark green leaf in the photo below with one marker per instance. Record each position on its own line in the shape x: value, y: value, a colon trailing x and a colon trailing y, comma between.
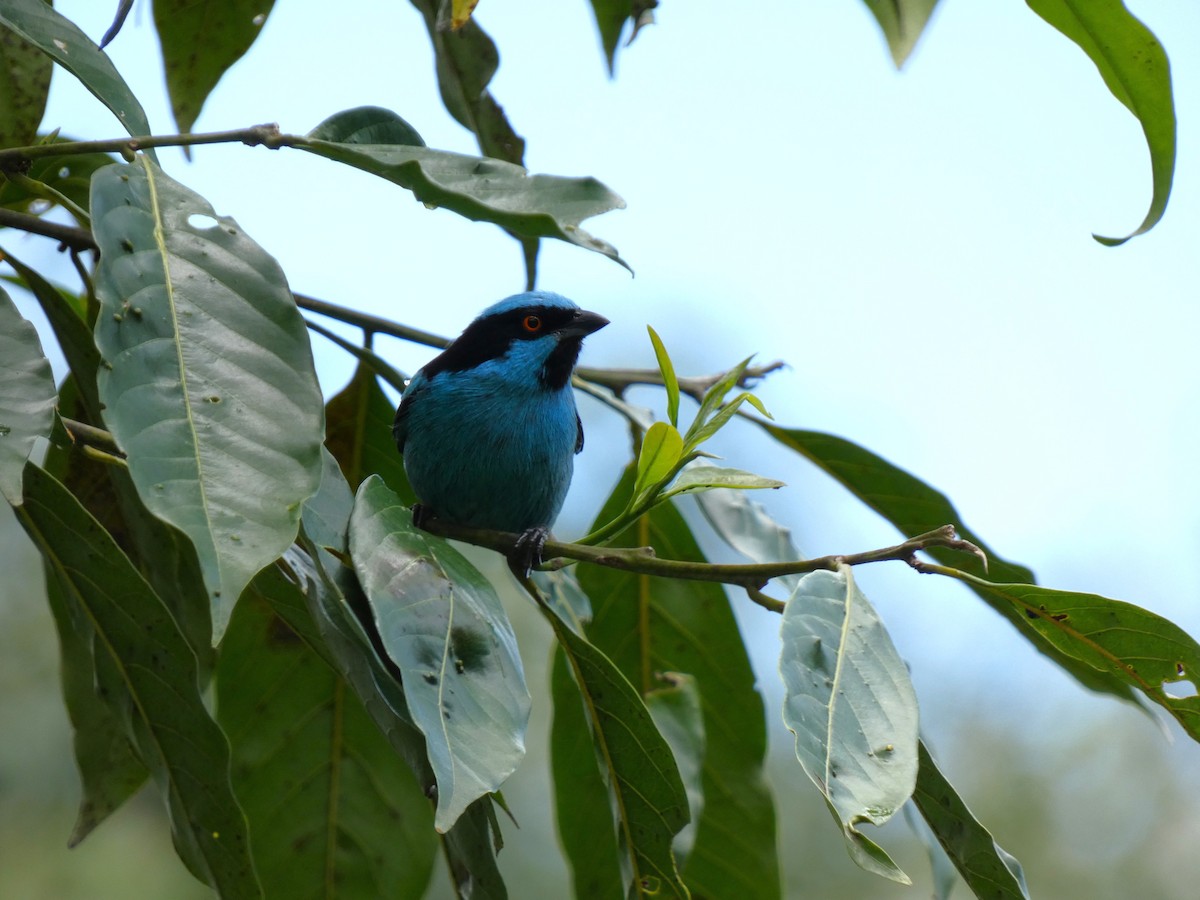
x: 27, y: 396
x: 332, y: 808
x: 850, y: 703
x: 1126, y: 642
x: 62, y: 41
x: 675, y: 709
x: 70, y: 176
x: 24, y: 87
x: 367, y: 125
x: 637, y: 763
x: 581, y: 800
x: 200, y: 41
x: 902, y: 23
x: 159, y: 702
x: 915, y: 508
x: 109, y: 770
x: 208, y: 381
x: 560, y: 589
x: 649, y: 625
x: 611, y: 16
x: 988, y: 869
x: 358, y: 432
x: 485, y: 190
x: 444, y: 627
x: 1134, y: 66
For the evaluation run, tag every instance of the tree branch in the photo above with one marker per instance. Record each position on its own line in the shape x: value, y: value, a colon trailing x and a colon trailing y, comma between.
x: 69, y: 235
x: 752, y: 576
x: 265, y: 135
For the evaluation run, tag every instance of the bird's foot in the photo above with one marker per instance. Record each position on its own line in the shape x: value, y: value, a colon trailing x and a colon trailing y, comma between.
x: 421, y: 514
x: 526, y: 553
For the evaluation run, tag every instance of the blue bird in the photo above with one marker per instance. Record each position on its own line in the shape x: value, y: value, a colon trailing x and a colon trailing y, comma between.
x: 488, y: 428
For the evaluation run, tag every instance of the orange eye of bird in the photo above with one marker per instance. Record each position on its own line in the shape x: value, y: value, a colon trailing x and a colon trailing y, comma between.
x: 531, y: 324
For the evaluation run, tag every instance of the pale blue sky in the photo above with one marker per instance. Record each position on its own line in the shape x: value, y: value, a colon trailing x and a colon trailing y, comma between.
x: 916, y: 245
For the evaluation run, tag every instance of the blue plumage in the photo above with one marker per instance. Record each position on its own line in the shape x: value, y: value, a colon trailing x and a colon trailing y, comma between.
x: 488, y: 428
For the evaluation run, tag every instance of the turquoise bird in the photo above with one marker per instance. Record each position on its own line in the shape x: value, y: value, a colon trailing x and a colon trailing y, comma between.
x: 488, y: 428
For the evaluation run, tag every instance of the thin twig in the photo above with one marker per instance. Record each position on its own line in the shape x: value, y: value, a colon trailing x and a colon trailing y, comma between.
x: 694, y: 386
x: 91, y: 436
x: 67, y: 235
x: 369, y: 323
x: 267, y: 135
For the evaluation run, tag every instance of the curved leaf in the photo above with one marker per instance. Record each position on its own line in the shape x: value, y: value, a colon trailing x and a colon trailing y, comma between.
x: 698, y: 478
x: 200, y: 41
x: 1126, y: 642
x: 1135, y: 68
x: 914, y: 508
x: 849, y: 701
x: 675, y: 709
x: 611, y: 16
x: 358, y: 432
x: 367, y: 125
x: 208, y: 377
x: 647, y: 625
x: 902, y: 23
x: 484, y: 190
x: 140, y: 649
x: 328, y: 800
x: 24, y: 87
x: 61, y: 40
x: 987, y: 868
x: 27, y: 396
x: 635, y: 760
x: 443, y: 626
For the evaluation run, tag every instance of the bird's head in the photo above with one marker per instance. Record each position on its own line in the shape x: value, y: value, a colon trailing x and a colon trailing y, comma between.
x: 537, y: 331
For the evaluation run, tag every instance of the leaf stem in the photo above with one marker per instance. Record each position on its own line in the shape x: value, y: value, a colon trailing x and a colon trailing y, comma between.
x: 68, y: 235
x: 90, y: 436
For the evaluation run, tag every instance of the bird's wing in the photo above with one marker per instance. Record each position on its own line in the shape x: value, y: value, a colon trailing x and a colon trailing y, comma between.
x: 400, y: 423
x: 578, y: 433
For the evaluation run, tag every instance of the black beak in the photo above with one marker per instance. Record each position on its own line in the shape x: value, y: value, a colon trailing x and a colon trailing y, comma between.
x: 583, y: 324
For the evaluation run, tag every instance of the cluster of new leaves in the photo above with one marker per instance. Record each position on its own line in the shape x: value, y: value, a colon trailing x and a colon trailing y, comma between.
x: 208, y: 521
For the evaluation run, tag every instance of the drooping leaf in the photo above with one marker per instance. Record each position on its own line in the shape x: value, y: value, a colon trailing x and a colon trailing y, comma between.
x: 200, y: 41
x: 367, y: 125
x: 582, y: 804
x: 747, y: 528
x: 109, y: 770
x: 850, y: 703
x: 611, y: 18
x: 139, y: 646
x: 647, y: 625
x: 27, y: 396
x: 636, y: 762
x: 60, y: 39
x: 358, y: 431
x: 341, y: 640
x: 124, y: 7
x: 1135, y: 68
x: 332, y: 808
x: 445, y: 629
x: 915, y: 508
x: 484, y: 190
x: 941, y: 868
x: 208, y: 379
x: 902, y: 22
x: 24, y: 87
x: 700, y: 478
x: 988, y: 869
x: 561, y: 591
x: 1126, y: 642
x: 675, y: 709
x: 326, y: 515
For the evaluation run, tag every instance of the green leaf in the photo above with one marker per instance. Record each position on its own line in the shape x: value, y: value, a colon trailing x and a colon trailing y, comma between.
x: 200, y: 41
x: 988, y: 869
x: 208, y: 381
x: 698, y: 478
x: 332, y: 808
x: 139, y: 646
x: 581, y: 800
x: 24, y: 87
x: 109, y: 770
x: 1135, y: 68
x: 326, y: 515
x: 61, y: 40
x: 367, y: 125
x: 902, y: 23
x: 1126, y: 642
x: 850, y: 703
x: 647, y: 625
x: 358, y: 431
x: 747, y: 528
x: 444, y: 627
x: 715, y: 396
x: 70, y: 176
x: 675, y: 709
x: 485, y: 190
x: 670, y: 380
x: 915, y: 508
x: 662, y: 448
x: 611, y: 16
x: 636, y: 762
x: 561, y: 591
x: 27, y: 396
